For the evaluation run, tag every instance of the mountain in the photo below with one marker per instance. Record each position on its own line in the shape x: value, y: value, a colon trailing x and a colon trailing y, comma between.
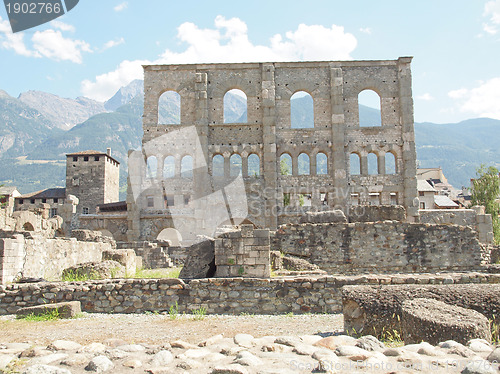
x: 63, y: 113
x: 21, y: 127
x: 459, y: 148
x: 125, y: 95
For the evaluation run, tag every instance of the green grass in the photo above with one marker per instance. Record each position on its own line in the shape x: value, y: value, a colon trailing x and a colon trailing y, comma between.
x: 75, y: 276
x: 15, y: 366
x: 173, y: 311
x: 200, y: 313
x: 495, y: 330
x: 157, y: 273
x: 49, y: 315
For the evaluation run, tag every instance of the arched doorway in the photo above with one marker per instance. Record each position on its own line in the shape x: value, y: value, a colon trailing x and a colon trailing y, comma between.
x: 172, y: 235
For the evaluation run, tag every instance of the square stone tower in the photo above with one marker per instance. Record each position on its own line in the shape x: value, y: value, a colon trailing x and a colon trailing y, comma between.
x: 93, y: 177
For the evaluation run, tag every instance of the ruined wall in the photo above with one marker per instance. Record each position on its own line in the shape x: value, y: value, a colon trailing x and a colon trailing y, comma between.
x: 243, y: 253
x: 382, y: 247
x: 475, y: 218
x: 267, y: 135
x: 39, y: 257
x: 219, y: 296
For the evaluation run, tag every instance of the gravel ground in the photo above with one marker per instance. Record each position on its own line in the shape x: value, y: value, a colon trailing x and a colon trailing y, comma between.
x: 154, y: 329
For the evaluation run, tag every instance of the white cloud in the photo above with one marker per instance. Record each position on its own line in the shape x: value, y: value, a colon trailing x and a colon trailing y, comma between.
x: 228, y: 42
x: 492, y: 12
x: 113, y: 43
x: 121, y: 6
x: 366, y: 30
x: 53, y: 45
x: 15, y: 42
x: 481, y: 101
x: 63, y: 26
x: 425, y: 97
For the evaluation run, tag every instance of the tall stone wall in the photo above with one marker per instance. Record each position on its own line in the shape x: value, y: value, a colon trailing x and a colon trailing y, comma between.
x: 156, y: 193
x: 217, y: 295
x: 382, y: 247
x: 34, y: 256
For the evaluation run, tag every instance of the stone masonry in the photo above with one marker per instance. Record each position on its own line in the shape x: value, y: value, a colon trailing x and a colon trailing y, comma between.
x: 179, y: 199
x: 244, y: 253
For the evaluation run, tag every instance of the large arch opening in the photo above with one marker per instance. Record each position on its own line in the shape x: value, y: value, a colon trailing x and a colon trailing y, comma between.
x: 301, y: 110
x: 285, y: 164
x: 304, y: 164
x: 372, y: 160
x: 151, y: 167
x: 369, y: 109
x: 321, y: 164
x: 171, y: 235
x: 169, y: 167
x: 355, y: 165
x: 169, y: 108
x: 253, y: 165
x: 390, y: 163
x: 235, y: 106
x: 187, y: 167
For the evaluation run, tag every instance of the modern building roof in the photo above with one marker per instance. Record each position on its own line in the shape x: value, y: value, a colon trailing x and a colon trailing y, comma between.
x: 91, y: 153
x: 50, y: 193
x: 424, y: 186
x: 443, y: 201
x: 120, y: 206
x: 8, y: 191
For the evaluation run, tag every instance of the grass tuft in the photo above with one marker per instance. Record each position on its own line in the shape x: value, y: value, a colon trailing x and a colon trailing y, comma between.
x: 199, y: 314
x: 157, y: 273
x: 48, y: 315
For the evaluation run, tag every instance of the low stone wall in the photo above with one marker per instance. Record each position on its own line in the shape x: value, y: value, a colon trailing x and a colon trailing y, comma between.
x: 369, y: 213
x: 35, y: 256
x: 217, y: 295
x: 382, y: 247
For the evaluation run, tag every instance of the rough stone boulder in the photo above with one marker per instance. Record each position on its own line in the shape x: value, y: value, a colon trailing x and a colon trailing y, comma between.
x: 280, y: 262
x: 433, y: 321
x: 68, y: 309
x: 95, y: 270
x: 200, y: 260
x: 330, y: 216
x: 125, y: 257
x: 370, y: 309
x: 92, y: 236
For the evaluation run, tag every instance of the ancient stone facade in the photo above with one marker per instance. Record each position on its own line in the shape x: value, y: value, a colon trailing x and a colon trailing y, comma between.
x: 93, y: 177
x: 175, y: 181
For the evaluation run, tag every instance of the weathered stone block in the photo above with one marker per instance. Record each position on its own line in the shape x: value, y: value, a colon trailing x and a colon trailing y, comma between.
x: 68, y: 309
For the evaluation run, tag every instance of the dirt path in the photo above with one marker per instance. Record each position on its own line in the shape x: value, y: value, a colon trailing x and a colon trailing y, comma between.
x: 154, y: 329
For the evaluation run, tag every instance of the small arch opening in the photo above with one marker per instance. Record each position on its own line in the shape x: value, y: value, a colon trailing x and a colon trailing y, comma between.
x: 152, y: 167
x: 321, y: 164
x: 285, y: 164
x: 372, y: 160
x: 169, y: 108
x: 187, y: 167
x: 235, y: 106
x: 301, y: 110
x: 253, y: 165
x: 169, y: 167
x: 218, y: 166
x: 369, y: 109
x: 171, y: 235
x: 235, y: 165
x: 390, y: 163
x: 28, y: 227
x: 304, y: 164
x: 355, y: 165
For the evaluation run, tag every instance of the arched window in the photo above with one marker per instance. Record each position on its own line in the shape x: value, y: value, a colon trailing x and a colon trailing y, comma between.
x: 390, y: 163
x: 355, y: 164
x: 169, y: 108
x: 253, y: 165
x: 286, y: 164
x: 301, y: 111
x: 304, y: 164
x: 152, y: 166
x: 235, y: 165
x: 369, y: 109
x: 218, y: 166
x: 235, y: 106
x: 372, y: 163
x: 321, y: 164
x: 169, y: 167
x: 187, y: 167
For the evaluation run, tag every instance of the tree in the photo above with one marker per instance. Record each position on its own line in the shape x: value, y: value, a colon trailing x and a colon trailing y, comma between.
x: 486, y: 191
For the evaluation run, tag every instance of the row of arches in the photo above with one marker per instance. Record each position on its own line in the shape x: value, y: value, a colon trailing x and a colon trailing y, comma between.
x: 235, y: 165
x: 169, y: 168
x: 371, y: 164
x: 303, y: 165
x: 301, y: 108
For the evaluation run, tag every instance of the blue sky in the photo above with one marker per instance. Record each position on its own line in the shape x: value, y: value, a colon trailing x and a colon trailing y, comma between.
x: 99, y: 45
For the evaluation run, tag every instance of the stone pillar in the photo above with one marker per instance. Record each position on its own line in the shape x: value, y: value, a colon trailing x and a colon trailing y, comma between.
x: 381, y: 164
x: 337, y: 161
x: 409, y: 171
x: 269, y: 158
